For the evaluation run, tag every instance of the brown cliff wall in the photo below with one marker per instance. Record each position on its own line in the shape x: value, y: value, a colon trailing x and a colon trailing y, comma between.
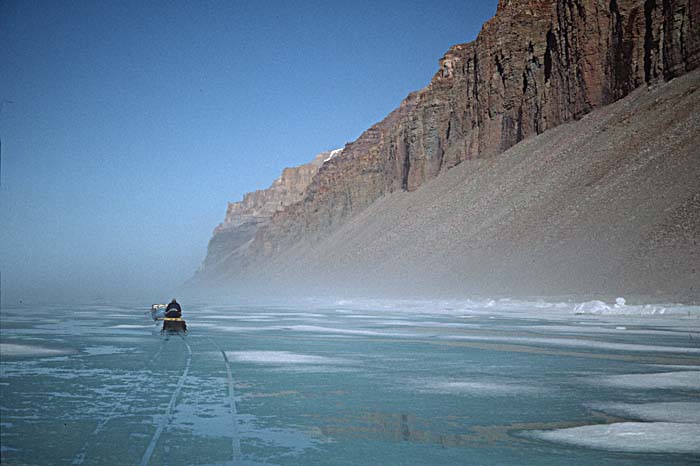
x: 259, y: 206
x: 243, y: 219
x: 534, y: 66
x: 602, y: 207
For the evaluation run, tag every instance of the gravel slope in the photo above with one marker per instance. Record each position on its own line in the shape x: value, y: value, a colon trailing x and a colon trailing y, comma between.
x: 605, y: 206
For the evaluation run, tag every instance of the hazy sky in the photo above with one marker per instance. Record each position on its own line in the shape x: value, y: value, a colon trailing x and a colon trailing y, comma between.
x: 127, y: 126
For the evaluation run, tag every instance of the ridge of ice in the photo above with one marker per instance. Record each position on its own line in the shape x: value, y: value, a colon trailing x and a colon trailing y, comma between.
x: 523, y: 308
x: 619, y: 308
x: 576, y: 343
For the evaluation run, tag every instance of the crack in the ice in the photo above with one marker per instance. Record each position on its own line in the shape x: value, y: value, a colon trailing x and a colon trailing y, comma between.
x: 80, y: 456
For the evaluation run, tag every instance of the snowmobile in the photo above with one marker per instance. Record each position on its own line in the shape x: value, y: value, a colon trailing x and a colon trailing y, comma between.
x: 172, y: 319
x: 174, y: 325
x: 173, y: 322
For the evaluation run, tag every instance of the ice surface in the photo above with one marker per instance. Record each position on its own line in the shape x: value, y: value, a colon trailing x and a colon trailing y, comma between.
x: 251, y: 429
x: 293, y: 314
x: 256, y: 318
x: 660, y: 380
x: 132, y: 326
x: 346, y: 331
x: 377, y: 382
x: 107, y: 349
x: 647, y: 437
x: 424, y: 323
x: 589, y: 328
x: 242, y: 328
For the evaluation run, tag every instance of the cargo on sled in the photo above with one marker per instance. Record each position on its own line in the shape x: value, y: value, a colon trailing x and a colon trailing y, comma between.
x: 174, y: 324
x: 158, y: 311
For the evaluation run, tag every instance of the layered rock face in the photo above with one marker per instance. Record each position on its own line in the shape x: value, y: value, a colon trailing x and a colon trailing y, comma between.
x: 244, y: 218
x: 535, y: 65
x: 259, y: 206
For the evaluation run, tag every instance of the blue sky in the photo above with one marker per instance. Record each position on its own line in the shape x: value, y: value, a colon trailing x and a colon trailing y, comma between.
x: 131, y: 124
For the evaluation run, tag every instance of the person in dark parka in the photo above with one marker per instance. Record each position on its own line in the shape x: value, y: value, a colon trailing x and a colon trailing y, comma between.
x: 173, y: 309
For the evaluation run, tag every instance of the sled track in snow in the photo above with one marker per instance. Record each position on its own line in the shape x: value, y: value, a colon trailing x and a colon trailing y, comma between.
x: 168, y: 412
x: 80, y: 456
x: 235, y: 437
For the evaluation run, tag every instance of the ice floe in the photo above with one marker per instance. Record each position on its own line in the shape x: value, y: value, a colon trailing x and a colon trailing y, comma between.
x: 578, y: 343
x: 659, y: 380
x: 641, y: 437
x: 281, y: 357
x: 468, y: 387
x: 13, y: 349
x: 671, y: 411
x: 619, y: 308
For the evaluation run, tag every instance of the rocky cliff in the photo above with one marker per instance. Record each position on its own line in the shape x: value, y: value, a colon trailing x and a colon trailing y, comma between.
x: 605, y: 206
x: 243, y: 219
x: 535, y: 65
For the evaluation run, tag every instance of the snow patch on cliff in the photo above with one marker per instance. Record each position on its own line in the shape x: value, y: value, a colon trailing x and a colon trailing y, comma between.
x: 332, y: 154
